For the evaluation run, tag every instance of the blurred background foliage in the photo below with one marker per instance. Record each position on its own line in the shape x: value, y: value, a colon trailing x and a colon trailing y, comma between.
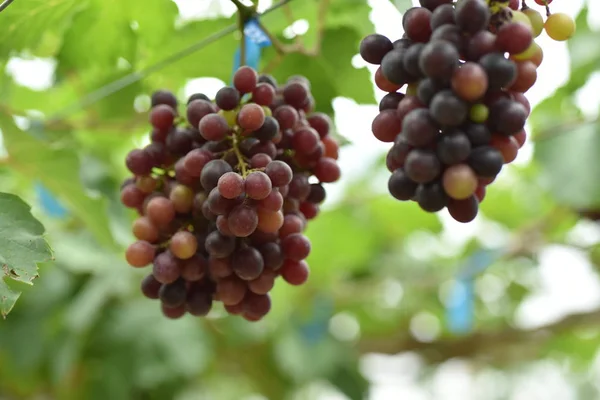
x: 387, y: 279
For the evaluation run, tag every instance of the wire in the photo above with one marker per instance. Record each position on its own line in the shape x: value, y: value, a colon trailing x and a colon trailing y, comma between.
x: 121, y: 83
x: 4, y: 5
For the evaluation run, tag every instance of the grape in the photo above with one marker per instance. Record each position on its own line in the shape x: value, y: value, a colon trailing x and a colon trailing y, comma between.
x: 132, y: 197
x: 481, y: 44
x: 182, y: 198
x: 459, y: 181
x: 560, y: 26
x: 158, y: 153
x: 374, y: 47
x: 140, y: 254
x: 299, y: 187
x: 150, y: 287
x: 220, y: 205
x: 218, y: 245
x: 392, y: 69
x: 251, y: 117
x: 479, y: 113
x: 536, y: 20
x: 464, y: 210
x: 386, y: 126
x: 183, y: 245
x: 195, y: 161
x: 478, y: 134
x: 420, y: 129
x: 266, y: 78
x: 273, y: 202
x: 526, y: 77
x: 507, y: 117
x: 309, y: 210
x: 211, y: 173
x: 514, y: 37
x: 162, y: 117
x: 214, y: 127
x: 500, y: 71
x: 428, y: 88
x: 263, y: 94
x: 520, y: 138
x: 268, y: 130
x: 508, y: 146
x: 472, y: 16
x: 245, y: 79
x: 173, y: 294
x: 220, y: 267
x: 198, y: 301
x: 422, y: 165
x: 269, y: 221
x: 431, y: 197
x: 139, y: 162
x: 179, y: 141
x: 327, y: 170
x: 295, y: 272
x: 257, y: 185
x: 227, y: 98
x: 305, y: 140
x: 160, y: 211
x: 447, y: 109
x: 264, y: 283
x: 146, y: 184
x: 256, y: 306
x: 486, y: 161
x: 279, y: 173
x: 247, y: 263
x: 291, y: 224
x: 433, y: 5
x: 390, y: 101
x: 322, y: 123
x: 143, y: 229
x: 163, y: 97
x: 295, y: 246
x: 166, y: 268
x: 197, y: 96
x: 453, y: 147
x: 287, y: 116
x: 242, y: 220
x: 384, y: 84
x: 194, y: 268
x: 295, y: 94
x: 401, y: 186
x: 198, y: 109
x: 230, y: 185
x: 331, y: 147
x: 317, y: 193
x: 411, y: 58
x: 231, y: 291
x: 513, y: 4
x: 470, y: 82
x: 442, y: 15
x: 451, y: 34
x: 439, y: 59
x: 272, y: 255
x: 417, y: 24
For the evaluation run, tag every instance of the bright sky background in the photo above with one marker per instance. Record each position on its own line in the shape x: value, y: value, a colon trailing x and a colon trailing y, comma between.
x: 564, y: 283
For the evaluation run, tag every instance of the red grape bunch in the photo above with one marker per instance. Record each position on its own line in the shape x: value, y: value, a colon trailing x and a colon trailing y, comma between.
x: 224, y: 194
x: 461, y: 115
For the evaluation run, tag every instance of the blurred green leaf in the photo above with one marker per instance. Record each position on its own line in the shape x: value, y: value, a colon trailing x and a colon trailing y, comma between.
x: 22, y: 247
x: 58, y: 169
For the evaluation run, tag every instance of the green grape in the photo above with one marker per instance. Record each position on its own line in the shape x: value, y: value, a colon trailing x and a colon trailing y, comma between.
x: 230, y: 117
x: 560, y: 27
x: 536, y: 20
x: 479, y: 113
x: 518, y: 16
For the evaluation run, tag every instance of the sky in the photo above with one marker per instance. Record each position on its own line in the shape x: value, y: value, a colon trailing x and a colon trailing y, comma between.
x: 564, y: 282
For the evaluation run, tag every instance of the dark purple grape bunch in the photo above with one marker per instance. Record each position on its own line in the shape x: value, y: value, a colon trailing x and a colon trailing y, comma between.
x: 225, y: 194
x: 455, y: 109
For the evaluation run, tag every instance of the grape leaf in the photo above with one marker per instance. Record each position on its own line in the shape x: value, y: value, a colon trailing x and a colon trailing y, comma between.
x: 22, y: 247
x: 57, y: 168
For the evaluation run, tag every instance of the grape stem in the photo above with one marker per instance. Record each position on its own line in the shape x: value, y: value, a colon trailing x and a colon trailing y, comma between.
x: 238, y: 154
x: 245, y: 13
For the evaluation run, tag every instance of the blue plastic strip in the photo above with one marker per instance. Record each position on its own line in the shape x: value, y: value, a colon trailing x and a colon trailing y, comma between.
x: 49, y: 203
x: 461, y: 305
x: 255, y: 40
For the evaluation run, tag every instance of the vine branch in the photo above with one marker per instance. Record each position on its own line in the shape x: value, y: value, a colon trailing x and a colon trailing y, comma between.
x: 506, y: 346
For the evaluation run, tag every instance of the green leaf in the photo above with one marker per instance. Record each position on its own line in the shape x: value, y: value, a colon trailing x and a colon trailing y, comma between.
x: 58, y: 169
x: 27, y: 26
x: 570, y: 166
x: 22, y: 247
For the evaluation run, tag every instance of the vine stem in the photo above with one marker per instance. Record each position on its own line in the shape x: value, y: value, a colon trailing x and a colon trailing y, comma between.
x: 239, y: 155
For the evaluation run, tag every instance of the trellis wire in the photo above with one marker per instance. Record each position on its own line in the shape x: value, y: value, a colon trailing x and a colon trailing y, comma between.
x: 121, y: 83
x: 5, y: 4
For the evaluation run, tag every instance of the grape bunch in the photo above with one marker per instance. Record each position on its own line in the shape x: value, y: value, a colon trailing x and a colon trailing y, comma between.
x: 224, y: 194
x: 463, y: 69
